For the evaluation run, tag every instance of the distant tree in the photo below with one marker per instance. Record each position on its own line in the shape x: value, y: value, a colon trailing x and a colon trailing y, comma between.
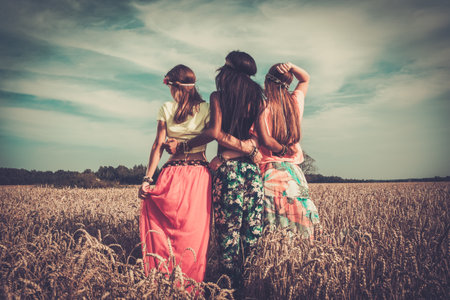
x: 122, y: 174
x: 138, y: 173
x: 106, y: 173
x: 308, y: 165
x: 106, y: 176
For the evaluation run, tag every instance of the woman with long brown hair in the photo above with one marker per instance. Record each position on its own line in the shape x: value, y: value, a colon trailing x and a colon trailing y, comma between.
x: 237, y: 186
x: 286, y: 197
x: 178, y: 207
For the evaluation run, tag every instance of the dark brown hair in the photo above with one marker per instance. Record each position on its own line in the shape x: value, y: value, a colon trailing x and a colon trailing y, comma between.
x: 240, y: 98
x: 285, y: 112
x: 187, y: 97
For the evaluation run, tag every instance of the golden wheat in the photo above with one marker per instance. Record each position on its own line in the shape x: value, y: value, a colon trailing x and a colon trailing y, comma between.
x: 383, y: 240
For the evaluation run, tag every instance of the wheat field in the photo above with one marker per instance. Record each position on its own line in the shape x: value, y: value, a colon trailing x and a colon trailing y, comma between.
x: 377, y: 241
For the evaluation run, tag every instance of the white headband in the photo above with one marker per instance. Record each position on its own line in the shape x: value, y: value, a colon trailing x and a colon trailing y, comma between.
x: 168, y: 82
x: 180, y: 83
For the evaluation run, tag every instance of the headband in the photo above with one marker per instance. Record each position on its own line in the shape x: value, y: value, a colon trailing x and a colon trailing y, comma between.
x: 166, y: 81
x: 276, y: 80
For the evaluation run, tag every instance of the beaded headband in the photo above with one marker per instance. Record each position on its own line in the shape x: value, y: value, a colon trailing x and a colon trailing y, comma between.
x: 166, y: 81
x: 276, y: 80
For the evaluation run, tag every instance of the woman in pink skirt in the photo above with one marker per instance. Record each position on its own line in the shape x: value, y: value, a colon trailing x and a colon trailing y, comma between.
x: 178, y: 207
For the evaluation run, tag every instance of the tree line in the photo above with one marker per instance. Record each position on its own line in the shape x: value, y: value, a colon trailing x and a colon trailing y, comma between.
x: 106, y: 176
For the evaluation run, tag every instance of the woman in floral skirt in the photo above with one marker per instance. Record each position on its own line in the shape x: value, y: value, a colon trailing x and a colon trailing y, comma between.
x: 237, y: 185
x: 286, y: 197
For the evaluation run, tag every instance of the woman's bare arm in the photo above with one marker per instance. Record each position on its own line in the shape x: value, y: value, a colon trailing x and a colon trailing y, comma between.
x: 300, y: 74
x: 214, y: 132
x: 155, y: 156
x: 265, y: 138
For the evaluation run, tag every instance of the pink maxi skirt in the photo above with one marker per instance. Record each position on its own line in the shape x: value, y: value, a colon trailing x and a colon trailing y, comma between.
x: 178, y: 208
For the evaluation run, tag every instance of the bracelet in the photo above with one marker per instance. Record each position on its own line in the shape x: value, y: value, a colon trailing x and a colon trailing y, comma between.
x: 282, y: 152
x: 253, y: 153
x: 147, y: 179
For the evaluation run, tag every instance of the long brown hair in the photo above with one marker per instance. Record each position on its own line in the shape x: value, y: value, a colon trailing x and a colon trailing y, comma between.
x: 240, y: 98
x: 285, y: 113
x: 186, y: 96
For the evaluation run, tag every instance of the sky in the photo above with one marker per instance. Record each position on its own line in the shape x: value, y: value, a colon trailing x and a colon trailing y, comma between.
x: 81, y: 80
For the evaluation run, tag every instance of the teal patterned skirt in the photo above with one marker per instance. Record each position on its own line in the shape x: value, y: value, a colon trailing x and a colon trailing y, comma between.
x: 286, y: 199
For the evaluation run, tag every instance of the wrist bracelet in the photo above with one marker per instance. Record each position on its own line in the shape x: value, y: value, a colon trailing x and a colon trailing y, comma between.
x: 282, y: 152
x: 253, y: 153
x: 147, y: 179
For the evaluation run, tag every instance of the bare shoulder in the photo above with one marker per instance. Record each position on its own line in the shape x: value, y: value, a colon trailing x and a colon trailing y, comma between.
x: 298, y: 93
x: 214, y: 96
x: 214, y: 100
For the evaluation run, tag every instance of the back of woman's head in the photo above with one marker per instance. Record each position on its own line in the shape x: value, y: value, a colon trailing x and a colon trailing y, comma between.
x: 182, y: 79
x: 285, y: 112
x: 242, y: 62
x: 285, y: 78
x: 241, y: 99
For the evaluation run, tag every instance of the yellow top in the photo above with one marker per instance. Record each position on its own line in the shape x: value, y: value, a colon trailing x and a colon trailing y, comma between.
x: 190, y: 128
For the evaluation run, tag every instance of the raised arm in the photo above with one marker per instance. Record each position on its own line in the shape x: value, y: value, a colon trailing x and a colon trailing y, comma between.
x: 300, y: 74
x: 265, y: 138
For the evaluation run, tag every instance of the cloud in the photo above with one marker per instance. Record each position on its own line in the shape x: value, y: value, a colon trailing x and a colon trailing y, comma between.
x: 392, y: 134
x: 62, y: 128
x: 102, y: 102
x: 375, y: 67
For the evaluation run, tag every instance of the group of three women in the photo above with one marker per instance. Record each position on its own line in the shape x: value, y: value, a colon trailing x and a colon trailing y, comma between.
x: 257, y: 181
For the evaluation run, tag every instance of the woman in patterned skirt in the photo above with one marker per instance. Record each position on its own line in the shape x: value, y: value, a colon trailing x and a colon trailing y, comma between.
x: 178, y: 207
x: 286, y: 198
x: 237, y: 186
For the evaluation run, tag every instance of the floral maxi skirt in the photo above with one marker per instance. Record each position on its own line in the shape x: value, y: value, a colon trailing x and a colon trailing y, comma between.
x: 286, y: 199
x: 238, y: 196
x: 178, y: 209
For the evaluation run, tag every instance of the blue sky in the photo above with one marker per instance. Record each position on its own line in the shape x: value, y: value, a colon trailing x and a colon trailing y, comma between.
x: 81, y: 81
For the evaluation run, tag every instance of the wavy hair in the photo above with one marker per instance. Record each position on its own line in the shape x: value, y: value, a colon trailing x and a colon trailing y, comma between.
x: 285, y: 114
x: 240, y: 98
x: 186, y: 96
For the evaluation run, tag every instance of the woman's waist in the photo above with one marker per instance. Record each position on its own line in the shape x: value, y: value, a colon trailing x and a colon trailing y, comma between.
x: 189, y: 156
x: 193, y: 150
x: 295, y: 159
x: 269, y: 156
x: 186, y: 162
x: 183, y: 137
